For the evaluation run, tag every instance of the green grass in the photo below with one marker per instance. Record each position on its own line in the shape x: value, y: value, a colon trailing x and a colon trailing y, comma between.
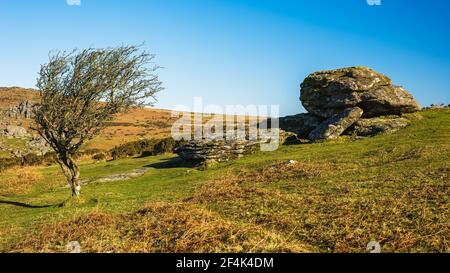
x: 392, y: 188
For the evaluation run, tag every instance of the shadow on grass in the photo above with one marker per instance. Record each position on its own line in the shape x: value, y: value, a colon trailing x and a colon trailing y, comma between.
x: 29, y: 206
x: 172, y: 163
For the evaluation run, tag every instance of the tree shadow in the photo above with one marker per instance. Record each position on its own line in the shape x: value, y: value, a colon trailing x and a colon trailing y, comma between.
x: 29, y: 206
x: 172, y: 163
x: 297, y: 141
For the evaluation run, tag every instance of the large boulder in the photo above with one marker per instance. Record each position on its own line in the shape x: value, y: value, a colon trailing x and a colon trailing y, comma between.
x: 327, y: 93
x: 301, y: 124
x: 381, y: 125
x: 333, y: 127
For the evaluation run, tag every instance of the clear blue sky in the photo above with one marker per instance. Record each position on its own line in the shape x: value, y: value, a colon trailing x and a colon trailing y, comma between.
x: 239, y: 51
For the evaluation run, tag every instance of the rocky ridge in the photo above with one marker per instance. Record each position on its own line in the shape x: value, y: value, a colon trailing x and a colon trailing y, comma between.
x: 12, y: 130
x: 206, y: 152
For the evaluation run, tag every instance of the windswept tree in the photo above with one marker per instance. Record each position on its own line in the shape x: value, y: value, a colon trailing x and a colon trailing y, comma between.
x: 82, y: 90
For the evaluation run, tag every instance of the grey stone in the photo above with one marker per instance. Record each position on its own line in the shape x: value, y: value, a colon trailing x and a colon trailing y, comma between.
x: 14, y: 131
x: 206, y: 152
x: 301, y: 124
x: 376, y: 126
x: 23, y: 110
x: 335, y: 126
x: 73, y: 247
x: 39, y: 146
x: 292, y: 162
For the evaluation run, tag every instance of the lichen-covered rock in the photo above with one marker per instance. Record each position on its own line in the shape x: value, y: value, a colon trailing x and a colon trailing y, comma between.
x: 12, y: 131
x: 214, y: 151
x: 206, y: 152
x: 335, y: 126
x: 23, y: 110
x: 38, y: 146
x: 301, y: 124
x: 327, y: 93
x: 381, y: 125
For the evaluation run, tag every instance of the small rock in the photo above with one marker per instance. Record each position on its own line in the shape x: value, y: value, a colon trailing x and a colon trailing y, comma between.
x: 73, y: 247
x: 374, y: 247
x: 437, y: 106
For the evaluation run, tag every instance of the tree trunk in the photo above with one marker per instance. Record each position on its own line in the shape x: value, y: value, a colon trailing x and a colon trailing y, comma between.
x: 75, y: 183
x: 71, y: 172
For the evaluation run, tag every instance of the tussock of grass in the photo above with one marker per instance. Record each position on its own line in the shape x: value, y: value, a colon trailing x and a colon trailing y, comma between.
x: 225, y: 188
x: 286, y: 170
x: 235, y: 185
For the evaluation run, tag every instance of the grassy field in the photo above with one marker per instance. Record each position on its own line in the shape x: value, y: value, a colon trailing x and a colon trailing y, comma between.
x: 338, y: 197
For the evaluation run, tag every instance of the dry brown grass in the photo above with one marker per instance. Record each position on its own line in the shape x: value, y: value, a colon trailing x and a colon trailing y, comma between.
x: 135, y: 125
x: 159, y: 227
x: 245, y: 182
x: 19, y: 180
x: 286, y: 171
x: 226, y: 188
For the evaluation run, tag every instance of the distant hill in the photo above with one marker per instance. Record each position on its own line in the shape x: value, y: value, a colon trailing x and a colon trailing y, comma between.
x: 11, y: 96
x: 137, y: 124
x: 134, y: 125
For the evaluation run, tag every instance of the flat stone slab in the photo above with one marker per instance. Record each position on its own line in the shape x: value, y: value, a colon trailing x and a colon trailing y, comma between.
x: 117, y: 177
x: 335, y: 126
